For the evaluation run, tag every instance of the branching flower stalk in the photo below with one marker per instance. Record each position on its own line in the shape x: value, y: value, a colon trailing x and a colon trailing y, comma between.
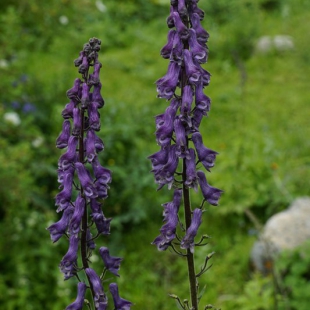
x: 181, y: 144
x: 84, y: 184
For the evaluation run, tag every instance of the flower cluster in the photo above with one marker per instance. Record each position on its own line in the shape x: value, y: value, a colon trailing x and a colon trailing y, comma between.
x: 177, y: 130
x: 84, y: 183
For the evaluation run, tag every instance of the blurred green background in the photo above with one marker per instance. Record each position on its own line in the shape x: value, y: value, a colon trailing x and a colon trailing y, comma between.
x: 259, y: 123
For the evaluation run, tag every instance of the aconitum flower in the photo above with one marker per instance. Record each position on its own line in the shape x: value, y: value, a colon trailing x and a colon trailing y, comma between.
x: 84, y: 182
x: 119, y: 303
x: 178, y: 131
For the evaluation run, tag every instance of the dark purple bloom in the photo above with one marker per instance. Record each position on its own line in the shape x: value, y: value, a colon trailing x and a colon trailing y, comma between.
x: 67, y: 112
x: 90, y: 147
x: 111, y: 263
x: 197, y: 117
x: 78, y: 61
x: 181, y: 28
x: 63, y: 198
x: 161, y: 243
x: 177, y: 50
x: 79, y: 301
x: 199, y: 52
x: 206, y: 156
x: 202, y: 34
x: 170, y: 18
x: 83, y: 68
x: 86, y: 181
x: 58, y: 229
x: 98, y: 144
x: 182, y: 8
x: 166, y: 50
x: 210, y: 194
x: 94, y: 78
x: 85, y: 96
x: 79, y: 207
x: 68, y: 264
x: 102, y: 223
x: 202, y: 101
x: 69, y: 158
x: 119, y: 303
x: 73, y: 93
x: 187, y: 99
x: 192, y: 71
x: 181, y: 140
x: 76, y: 122
x: 63, y: 138
x: 168, y: 83
x: 100, y: 298
x: 191, y: 176
x: 94, y: 117
x: 96, y: 97
x: 188, y: 240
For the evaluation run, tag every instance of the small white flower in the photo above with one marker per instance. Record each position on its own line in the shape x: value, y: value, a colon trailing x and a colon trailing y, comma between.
x: 37, y: 142
x: 100, y: 6
x: 63, y: 20
x: 12, y: 117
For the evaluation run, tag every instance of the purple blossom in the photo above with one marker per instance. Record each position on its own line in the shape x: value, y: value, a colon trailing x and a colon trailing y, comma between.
x: 177, y: 50
x: 100, y: 298
x: 67, y: 159
x: 94, y: 78
x: 202, y: 101
x: 85, y: 96
x: 67, y: 112
x: 58, y: 229
x: 181, y: 139
x: 210, y: 194
x: 188, y: 240
x: 94, y: 117
x: 201, y: 34
x: 86, y: 181
x: 199, y: 52
x: 63, y: 198
x: 83, y: 68
x: 181, y: 28
x: 90, y: 146
x: 206, y: 156
x: 111, y: 263
x: 76, y: 131
x: 68, y: 264
x: 79, y: 208
x: 192, y: 71
x: 187, y: 99
x: 102, y: 223
x: 96, y: 97
x: 79, y: 301
x: 191, y: 176
x: 166, y: 50
x: 63, y: 138
x: 119, y: 303
x: 73, y: 93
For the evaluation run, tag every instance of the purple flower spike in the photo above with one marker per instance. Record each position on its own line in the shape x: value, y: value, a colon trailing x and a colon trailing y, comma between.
x: 210, y: 194
x: 96, y: 96
x: 100, y: 298
x: 166, y: 50
x: 199, y: 52
x: 85, y: 96
x: 119, y: 303
x: 188, y: 240
x: 58, y: 229
x: 192, y: 72
x: 111, y: 263
x: 76, y: 122
x: 86, y: 181
x: 205, y: 155
x: 63, y: 138
x: 79, y: 207
x: 69, y: 261
x: 168, y: 83
x: 94, y: 117
x: 90, y: 146
x: 73, y: 93
x: 79, y: 302
x: 68, y: 158
x: 191, y: 176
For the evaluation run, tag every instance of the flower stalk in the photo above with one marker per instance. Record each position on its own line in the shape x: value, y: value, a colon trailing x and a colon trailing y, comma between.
x: 84, y: 185
x: 181, y: 144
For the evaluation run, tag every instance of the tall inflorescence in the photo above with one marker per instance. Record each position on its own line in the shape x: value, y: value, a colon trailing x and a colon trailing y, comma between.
x: 84, y: 184
x: 181, y: 144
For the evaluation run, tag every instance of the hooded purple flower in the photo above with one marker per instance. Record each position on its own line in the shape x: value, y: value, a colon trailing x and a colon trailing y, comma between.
x: 100, y: 298
x: 58, y: 229
x: 166, y: 50
x: 79, y: 301
x: 102, y: 223
x: 74, y: 92
x: 181, y: 141
x: 188, y: 240
x: 90, y: 146
x: 67, y: 112
x: 63, y: 138
x: 199, y: 52
x: 64, y: 197
x: 79, y: 207
x: 192, y: 71
x: 67, y: 159
x: 94, y: 117
x: 68, y: 264
x: 210, y: 194
x: 86, y: 181
x: 119, y: 303
x: 202, y: 101
x: 111, y: 263
x: 191, y: 176
x: 206, y: 156
x: 76, y: 131
x: 96, y: 97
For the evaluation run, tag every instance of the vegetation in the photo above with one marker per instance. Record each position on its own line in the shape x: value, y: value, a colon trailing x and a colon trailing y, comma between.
x: 259, y: 124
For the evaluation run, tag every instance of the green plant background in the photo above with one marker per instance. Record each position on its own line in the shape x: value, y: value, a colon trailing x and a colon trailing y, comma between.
x: 259, y: 123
